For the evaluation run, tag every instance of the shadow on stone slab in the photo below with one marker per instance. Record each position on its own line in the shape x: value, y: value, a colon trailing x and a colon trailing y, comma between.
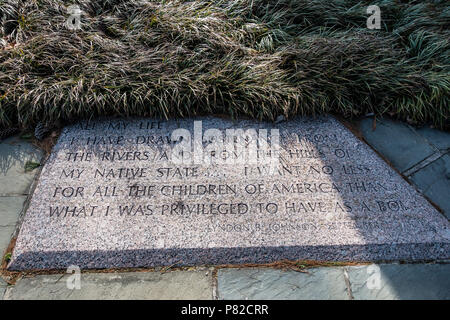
x: 218, y: 256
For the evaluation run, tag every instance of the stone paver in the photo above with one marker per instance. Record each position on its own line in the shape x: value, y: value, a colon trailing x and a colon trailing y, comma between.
x: 5, y: 238
x: 434, y: 182
x: 399, y: 143
x: 407, y: 281
x: 2, y: 288
x: 10, y: 208
x: 439, y: 139
x: 318, y: 283
x: 14, y: 154
x: 136, y: 285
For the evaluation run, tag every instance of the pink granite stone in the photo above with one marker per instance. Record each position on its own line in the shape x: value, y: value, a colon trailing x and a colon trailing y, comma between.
x: 110, y: 195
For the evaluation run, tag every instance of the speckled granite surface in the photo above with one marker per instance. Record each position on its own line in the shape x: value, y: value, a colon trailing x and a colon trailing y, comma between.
x: 111, y: 196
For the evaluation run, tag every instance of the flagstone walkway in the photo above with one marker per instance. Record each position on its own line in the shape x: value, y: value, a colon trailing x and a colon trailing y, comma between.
x: 422, y: 156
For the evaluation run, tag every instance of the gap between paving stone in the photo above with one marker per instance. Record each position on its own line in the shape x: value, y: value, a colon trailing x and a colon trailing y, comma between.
x: 402, y: 283
x: 374, y: 281
x: 439, y: 152
x: 409, y: 173
x: 356, y: 130
x: 433, y: 181
x: 438, y: 138
x: 347, y: 283
x: 414, y: 148
x: 422, y: 164
x: 14, y: 276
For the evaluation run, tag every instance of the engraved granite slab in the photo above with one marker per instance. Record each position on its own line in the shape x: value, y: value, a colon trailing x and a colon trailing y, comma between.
x: 142, y: 192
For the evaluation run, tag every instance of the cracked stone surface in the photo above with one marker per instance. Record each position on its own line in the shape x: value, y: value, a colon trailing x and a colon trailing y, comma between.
x: 124, y: 286
x: 400, y: 281
x: 14, y: 154
x: 262, y: 283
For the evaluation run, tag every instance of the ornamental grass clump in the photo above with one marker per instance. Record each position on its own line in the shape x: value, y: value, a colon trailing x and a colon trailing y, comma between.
x: 255, y: 58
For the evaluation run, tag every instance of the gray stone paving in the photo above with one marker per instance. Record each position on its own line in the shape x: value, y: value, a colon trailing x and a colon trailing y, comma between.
x: 399, y: 143
x: 319, y: 283
x: 438, y: 138
x: 421, y: 154
x: 434, y: 182
x: 372, y: 282
x: 401, y: 282
x: 124, y: 286
x: 10, y: 208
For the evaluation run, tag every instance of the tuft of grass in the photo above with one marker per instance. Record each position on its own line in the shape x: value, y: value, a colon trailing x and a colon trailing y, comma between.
x: 7, y: 257
x: 27, y: 136
x: 257, y: 58
x: 31, y: 165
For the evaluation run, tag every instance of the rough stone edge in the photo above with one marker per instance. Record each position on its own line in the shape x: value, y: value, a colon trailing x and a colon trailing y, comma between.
x: 143, y: 258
